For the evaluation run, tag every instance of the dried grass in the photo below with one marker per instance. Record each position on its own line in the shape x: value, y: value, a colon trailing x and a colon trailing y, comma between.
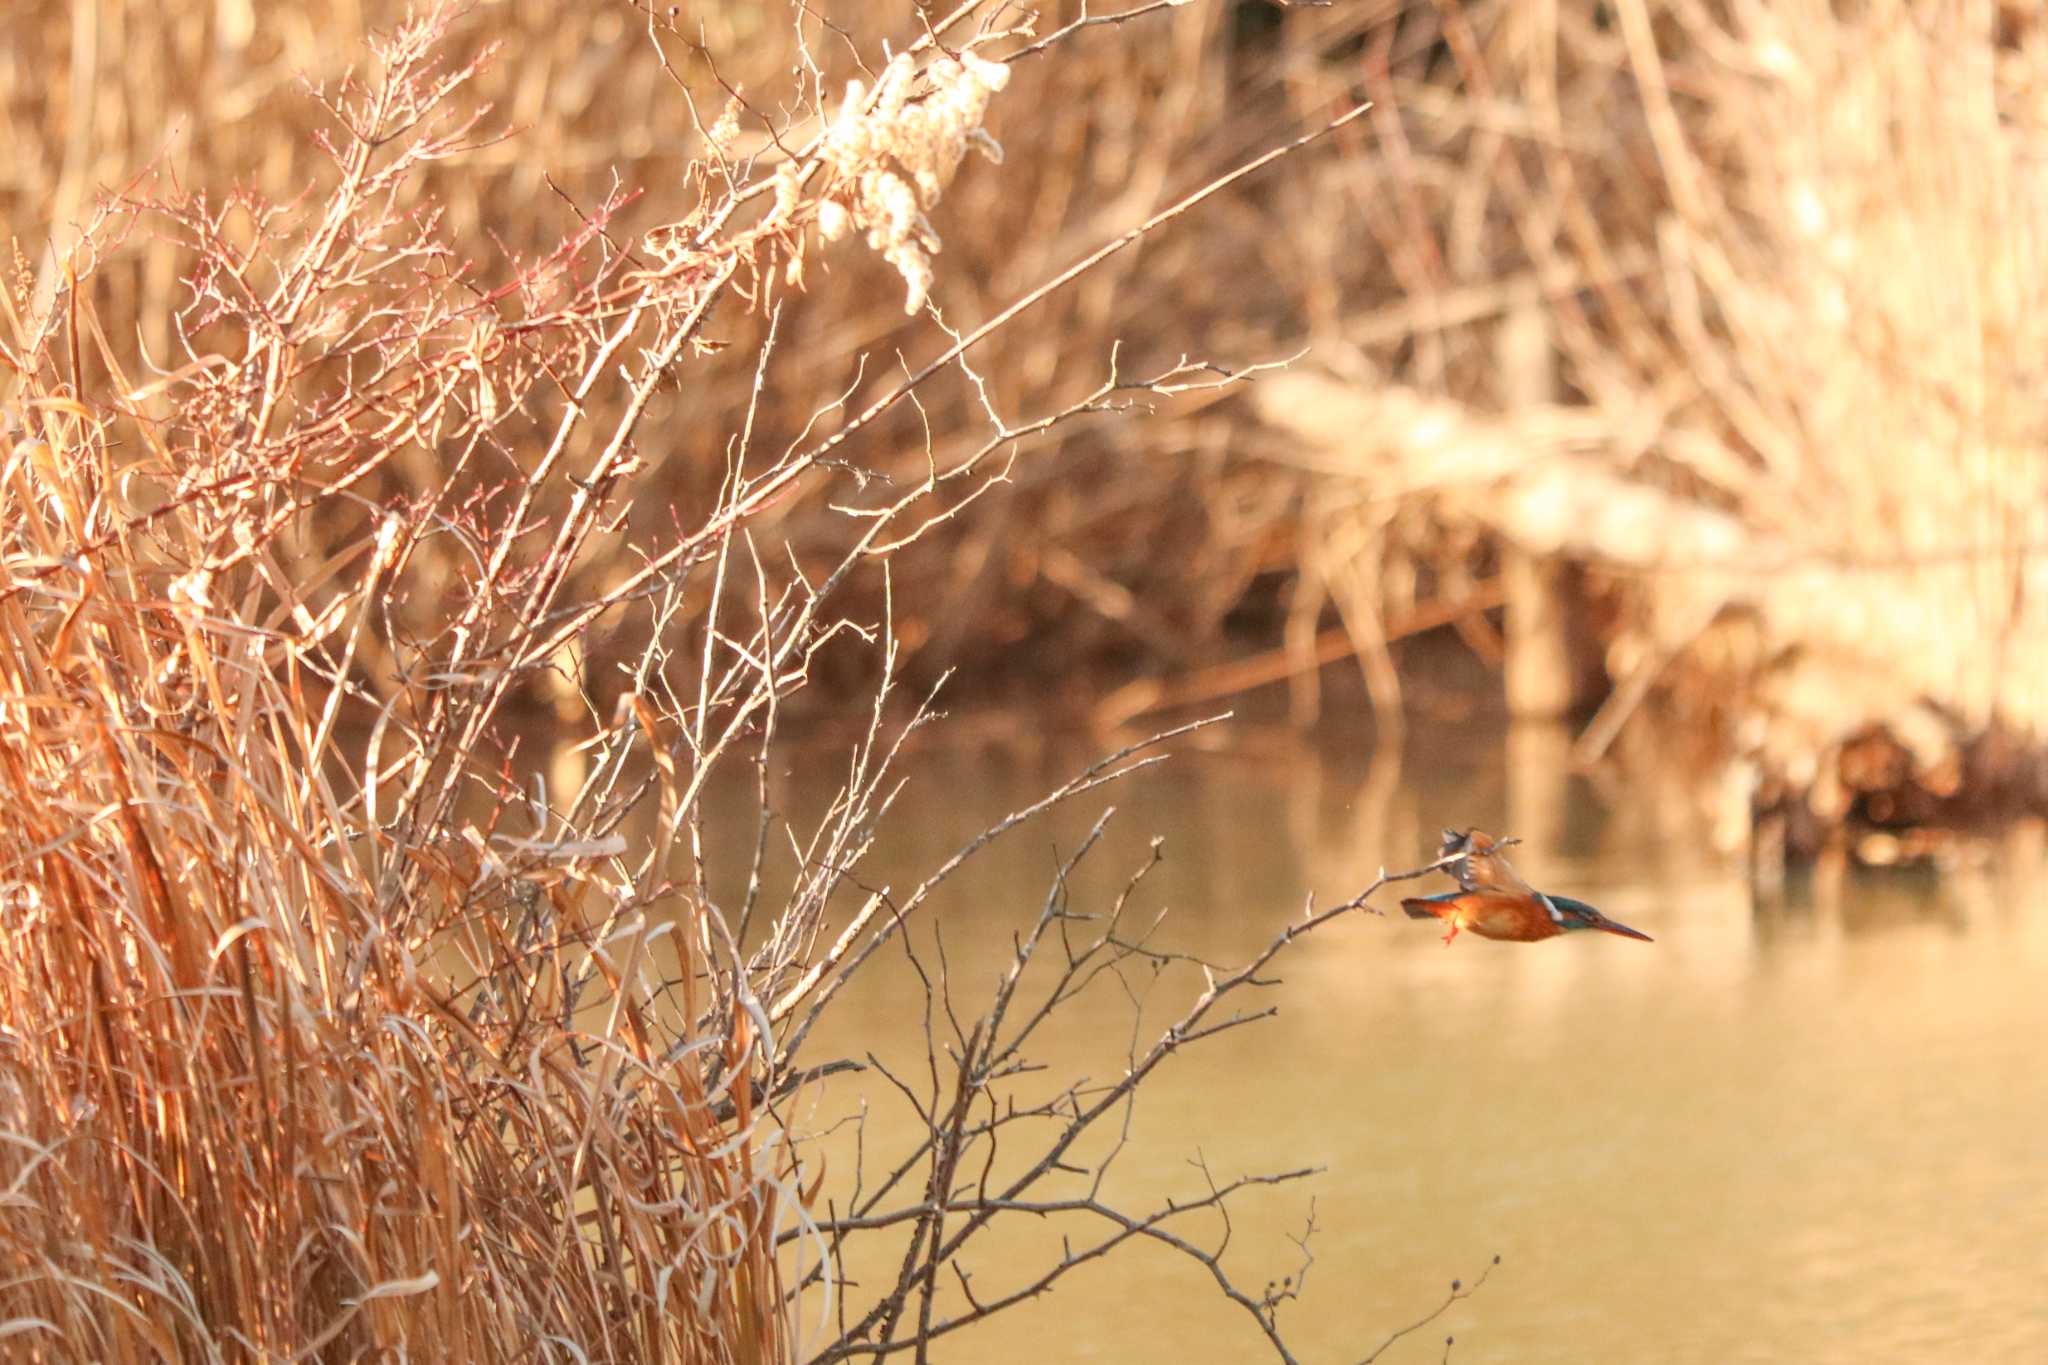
x: 1095, y: 552
x: 1752, y: 288
x: 326, y: 1037
x: 1737, y: 307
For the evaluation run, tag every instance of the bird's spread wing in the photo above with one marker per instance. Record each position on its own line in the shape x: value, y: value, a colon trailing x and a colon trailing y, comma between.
x: 1483, y: 867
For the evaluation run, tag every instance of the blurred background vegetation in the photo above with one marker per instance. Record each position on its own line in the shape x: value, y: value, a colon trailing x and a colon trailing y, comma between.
x: 1656, y: 353
x: 1671, y: 366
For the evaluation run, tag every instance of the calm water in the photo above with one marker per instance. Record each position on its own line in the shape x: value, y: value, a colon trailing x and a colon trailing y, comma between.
x: 1811, y: 1131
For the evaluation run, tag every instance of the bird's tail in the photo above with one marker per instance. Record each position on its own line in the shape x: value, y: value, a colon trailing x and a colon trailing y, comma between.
x: 1424, y: 907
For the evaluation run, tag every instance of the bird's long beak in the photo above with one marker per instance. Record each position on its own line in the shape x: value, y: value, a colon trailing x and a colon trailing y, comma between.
x: 1615, y: 927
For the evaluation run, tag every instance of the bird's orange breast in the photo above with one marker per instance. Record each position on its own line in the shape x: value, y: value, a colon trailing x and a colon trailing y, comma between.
x: 1517, y: 919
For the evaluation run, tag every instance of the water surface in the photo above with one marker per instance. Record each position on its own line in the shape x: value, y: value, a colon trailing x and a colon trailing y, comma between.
x: 1811, y: 1130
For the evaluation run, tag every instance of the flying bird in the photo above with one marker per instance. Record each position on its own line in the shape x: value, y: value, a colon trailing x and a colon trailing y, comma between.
x: 1493, y: 901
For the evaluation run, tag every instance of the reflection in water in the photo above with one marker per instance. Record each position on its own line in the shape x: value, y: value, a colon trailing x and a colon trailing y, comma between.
x: 1809, y: 1130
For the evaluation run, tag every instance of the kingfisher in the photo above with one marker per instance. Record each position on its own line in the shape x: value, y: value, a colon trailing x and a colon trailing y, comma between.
x: 1493, y: 901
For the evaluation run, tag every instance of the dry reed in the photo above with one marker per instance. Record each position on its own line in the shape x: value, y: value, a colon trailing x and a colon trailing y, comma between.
x: 1735, y: 308
x: 327, y: 1036
x: 1624, y: 286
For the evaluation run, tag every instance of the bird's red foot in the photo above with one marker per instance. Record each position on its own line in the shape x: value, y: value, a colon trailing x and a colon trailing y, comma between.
x: 1451, y: 935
